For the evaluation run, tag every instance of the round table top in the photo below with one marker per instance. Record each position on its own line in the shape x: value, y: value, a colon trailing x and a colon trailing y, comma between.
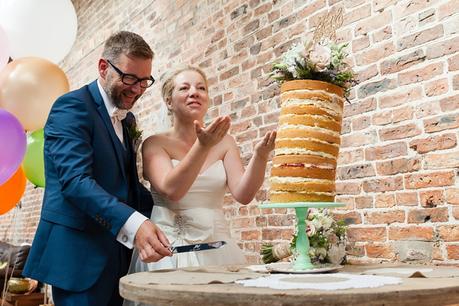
x: 436, y: 289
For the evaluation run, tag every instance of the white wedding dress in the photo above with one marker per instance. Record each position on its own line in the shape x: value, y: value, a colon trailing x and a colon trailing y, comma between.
x: 197, y: 217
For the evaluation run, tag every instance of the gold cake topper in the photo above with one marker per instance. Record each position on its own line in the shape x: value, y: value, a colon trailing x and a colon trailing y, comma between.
x: 327, y: 26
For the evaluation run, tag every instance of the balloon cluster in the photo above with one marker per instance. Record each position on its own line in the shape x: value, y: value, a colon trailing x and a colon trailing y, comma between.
x: 30, y: 82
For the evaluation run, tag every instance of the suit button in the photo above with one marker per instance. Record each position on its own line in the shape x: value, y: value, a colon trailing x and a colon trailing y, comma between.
x: 124, y: 238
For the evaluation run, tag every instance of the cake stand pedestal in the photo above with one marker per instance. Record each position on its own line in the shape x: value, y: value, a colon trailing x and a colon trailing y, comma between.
x: 302, y: 260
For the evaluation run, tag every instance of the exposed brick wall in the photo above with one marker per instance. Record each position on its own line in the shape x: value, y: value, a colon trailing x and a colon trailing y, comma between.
x: 399, y: 157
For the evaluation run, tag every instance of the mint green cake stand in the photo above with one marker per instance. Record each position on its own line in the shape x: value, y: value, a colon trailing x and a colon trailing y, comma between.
x: 302, y: 260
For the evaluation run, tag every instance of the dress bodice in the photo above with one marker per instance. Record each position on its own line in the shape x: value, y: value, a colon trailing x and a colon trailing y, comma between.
x: 207, y: 190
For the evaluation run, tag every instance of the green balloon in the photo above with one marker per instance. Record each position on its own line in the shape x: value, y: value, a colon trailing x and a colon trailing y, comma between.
x: 34, y: 164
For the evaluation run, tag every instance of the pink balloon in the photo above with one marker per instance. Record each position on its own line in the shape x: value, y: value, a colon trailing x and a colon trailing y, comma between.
x: 13, y: 143
x: 4, y: 48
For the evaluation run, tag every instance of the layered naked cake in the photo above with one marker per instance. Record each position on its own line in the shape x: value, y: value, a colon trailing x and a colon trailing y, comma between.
x: 307, y: 143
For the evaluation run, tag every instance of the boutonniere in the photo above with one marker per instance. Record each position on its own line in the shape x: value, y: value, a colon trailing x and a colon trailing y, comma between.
x: 134, y: 133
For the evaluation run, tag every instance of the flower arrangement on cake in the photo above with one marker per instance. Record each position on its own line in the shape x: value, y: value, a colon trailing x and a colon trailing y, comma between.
x: 321, y: 61
x: 326, y: 238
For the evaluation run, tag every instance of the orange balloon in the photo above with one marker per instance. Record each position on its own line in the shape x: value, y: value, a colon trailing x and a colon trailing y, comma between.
x: 12, y: 191
x: 28, y: 88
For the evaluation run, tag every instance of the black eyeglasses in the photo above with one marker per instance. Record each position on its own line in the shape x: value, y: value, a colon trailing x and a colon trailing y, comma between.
x: 130, y: 79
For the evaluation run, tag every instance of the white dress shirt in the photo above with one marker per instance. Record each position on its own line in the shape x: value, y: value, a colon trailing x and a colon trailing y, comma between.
x: 127, y: 233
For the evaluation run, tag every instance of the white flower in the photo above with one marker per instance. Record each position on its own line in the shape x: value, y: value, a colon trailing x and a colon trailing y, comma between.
x: 311, y: 230
x: 320, y: 56
x: 326, y: 221
x: 291, y: 57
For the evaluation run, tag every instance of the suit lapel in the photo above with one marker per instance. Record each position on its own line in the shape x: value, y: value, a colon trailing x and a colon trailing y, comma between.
x: 117, y: 145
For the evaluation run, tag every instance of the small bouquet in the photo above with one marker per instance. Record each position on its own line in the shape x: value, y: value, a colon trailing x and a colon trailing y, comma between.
x: 326, y: 239
x: 322, y: 61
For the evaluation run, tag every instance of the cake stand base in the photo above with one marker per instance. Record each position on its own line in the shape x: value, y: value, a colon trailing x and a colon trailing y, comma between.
x: 302, y: 260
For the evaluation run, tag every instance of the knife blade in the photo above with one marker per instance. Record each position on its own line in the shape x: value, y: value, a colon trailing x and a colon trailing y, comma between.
x: 197, y: 247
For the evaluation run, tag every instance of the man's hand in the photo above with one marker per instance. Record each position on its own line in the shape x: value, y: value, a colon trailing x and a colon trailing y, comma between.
x: 214, y: 133
x: 151, y: 242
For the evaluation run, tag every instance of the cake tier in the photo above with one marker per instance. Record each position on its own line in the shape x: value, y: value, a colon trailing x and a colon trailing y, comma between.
x: 287, y: 197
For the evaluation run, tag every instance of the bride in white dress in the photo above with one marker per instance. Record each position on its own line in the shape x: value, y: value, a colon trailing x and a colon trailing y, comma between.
x: 190, y: 167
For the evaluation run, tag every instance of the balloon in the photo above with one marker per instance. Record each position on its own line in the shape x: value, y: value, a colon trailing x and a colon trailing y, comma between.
x: 44, y: 28
x: 12, y: 191
x: 4, y: 48
x: 28, y: 88
x: 33, y: 164
x: 12, y: 145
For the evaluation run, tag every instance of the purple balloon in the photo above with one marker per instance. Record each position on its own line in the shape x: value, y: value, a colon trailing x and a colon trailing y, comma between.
x: 13, y: 143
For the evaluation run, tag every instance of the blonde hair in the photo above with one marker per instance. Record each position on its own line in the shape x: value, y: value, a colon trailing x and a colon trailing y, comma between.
x: 168, y: 85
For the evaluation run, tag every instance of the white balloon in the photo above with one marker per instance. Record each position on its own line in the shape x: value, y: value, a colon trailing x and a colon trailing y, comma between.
x: 40, y: 28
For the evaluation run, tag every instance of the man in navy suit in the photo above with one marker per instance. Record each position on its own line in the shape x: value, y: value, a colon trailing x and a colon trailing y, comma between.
x: 94, y: 208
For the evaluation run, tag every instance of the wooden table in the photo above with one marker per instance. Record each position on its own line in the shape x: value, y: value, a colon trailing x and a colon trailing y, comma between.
x: 413, y: 291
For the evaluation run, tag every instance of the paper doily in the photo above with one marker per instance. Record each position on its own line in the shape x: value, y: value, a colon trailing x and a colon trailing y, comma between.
x: 335, y: 281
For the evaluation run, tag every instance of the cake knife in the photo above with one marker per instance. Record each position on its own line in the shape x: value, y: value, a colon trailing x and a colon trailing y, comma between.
x: 197, y: 247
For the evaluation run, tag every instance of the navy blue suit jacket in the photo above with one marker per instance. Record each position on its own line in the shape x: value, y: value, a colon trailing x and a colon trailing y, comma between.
x: 90, y: 192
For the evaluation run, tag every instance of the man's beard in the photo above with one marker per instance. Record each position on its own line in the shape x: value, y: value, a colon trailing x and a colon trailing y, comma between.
x: 115, y: 92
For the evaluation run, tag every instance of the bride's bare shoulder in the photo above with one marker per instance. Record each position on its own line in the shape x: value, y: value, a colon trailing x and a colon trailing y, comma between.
x: 157, y: 140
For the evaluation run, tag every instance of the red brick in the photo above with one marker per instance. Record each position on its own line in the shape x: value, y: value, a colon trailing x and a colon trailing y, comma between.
x: 350, y: 157
x: 359, y: 107
x: 401, y: 165
x: 385, y: 217
x: 275, y: 234
x: 419, y: 38
x: 250, y: 235
x: 382, y: 118
x: 428, y: 109
x: 357, y: 14
x: 447, y: 9
x: 425, y: 233
x: 431, y: 198
x: 408, y: 8
x: 380, y: 251
x: 403, y: 97
x: 402, y: 62
x: 438, y: 214
x: 348, y: 188
x: 402, y: 114
x: 370, y: 56
x: 366, y: 73
x: 450, y: 104
x: 361, y: 123
x: 440, y: 123
x: 453, y: 251
x: 363, y: 202
x: 378, y: 21
x: 438, y: 142
x: 437, y: 87
x: 383, y: 184
x: 360, y: 43
x: 355, y: 171
x: 409, y: 198
x: 380, y: 5
x: 442, y: 160
x: 387, y: 151
x: 434, y: 179
x: 449, y: 232
x: 366, y: 234
x: 352, y: 217
x: 281, y: 220
x: 456, y: 82
x: 384, y: 200
x: 358, y: 139
x: 456, y: 213
x: 420, y: 74
x: 382, y: 34
x: 443, y: 48
x: 353, y: 249
x: 453, y: 63
x: 399, y: 132
x: 452, y: 196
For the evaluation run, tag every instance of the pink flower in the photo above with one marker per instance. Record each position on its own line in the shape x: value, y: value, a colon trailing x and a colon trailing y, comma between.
x: 311, y: 230
x: 320, y: 56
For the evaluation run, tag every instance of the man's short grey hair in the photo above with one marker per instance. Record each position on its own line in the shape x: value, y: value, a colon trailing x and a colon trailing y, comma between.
x: 127, y: 43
